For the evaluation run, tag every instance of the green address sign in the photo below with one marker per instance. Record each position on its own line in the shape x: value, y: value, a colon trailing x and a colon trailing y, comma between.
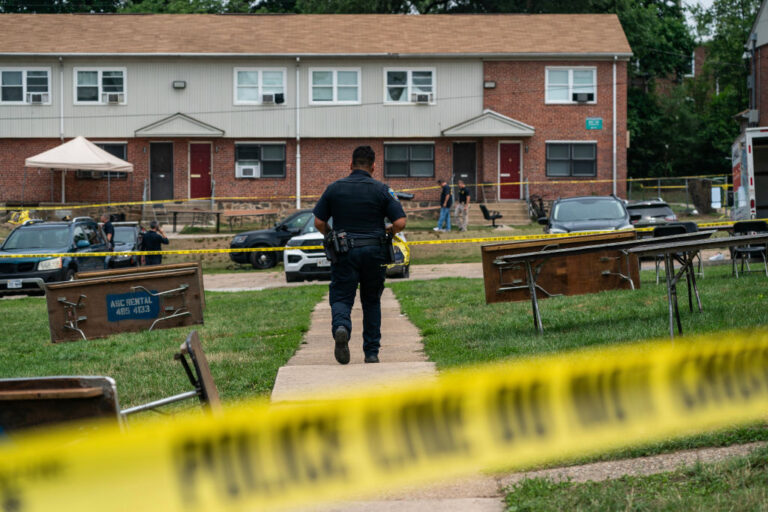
x: 594, y: 123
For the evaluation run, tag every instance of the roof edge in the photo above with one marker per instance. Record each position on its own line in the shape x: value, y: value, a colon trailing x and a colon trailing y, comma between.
x: 601, y: 55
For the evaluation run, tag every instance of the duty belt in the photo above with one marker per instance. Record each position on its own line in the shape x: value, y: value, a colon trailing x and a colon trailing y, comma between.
x: 365, y: 242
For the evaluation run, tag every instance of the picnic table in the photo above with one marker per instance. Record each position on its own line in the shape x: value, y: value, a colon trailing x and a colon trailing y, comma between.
x: 534, y: 261
x: 683, y: 252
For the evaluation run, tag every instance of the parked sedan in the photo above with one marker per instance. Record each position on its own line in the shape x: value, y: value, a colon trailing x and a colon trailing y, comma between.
x: 276, y: 236
x: 650, y: 213
x: 127, y: 238
x: 587, y: 213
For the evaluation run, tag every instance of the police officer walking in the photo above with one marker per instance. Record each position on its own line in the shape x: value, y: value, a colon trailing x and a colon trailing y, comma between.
x: 359, y: 205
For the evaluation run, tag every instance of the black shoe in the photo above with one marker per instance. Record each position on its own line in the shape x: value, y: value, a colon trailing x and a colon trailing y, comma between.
x: 341, y: 337
x: 373, y: 358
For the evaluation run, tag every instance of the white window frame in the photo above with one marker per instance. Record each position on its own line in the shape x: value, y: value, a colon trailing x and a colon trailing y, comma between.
x: 24, y: 71
x: 260, y: 85
x: 261, y: 162
x: 100, y: 71
x: 409, y: 85
x: 570, y: 70
x: 334, y: 86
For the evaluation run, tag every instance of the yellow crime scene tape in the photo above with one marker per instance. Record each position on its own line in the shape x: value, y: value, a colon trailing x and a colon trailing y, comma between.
x: 498, y: 416
x: 318, y: 247
x: 313, y: 196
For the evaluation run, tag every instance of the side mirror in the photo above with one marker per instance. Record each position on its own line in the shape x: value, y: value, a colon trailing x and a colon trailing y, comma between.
x: 543, y: 221
x: 82, y: 244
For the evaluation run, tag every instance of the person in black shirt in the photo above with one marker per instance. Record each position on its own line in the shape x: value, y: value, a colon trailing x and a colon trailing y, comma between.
x: 446, y: 200
x: 462, y: 205
x: 109, y: 231
x: 152, y: 240
x: 359, y: 205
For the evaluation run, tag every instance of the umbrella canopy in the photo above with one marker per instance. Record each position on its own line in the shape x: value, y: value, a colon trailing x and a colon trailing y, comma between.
x: 78, y: 153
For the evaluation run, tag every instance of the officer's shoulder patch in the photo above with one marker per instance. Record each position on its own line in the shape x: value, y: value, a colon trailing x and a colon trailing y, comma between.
x: 392, y: 193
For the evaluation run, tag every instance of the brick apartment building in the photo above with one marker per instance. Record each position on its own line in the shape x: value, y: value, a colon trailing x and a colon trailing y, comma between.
x: 272, y: 105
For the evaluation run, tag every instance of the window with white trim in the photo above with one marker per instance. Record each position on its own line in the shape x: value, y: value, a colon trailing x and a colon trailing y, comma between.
x: 334, y: 86
x: 25, y: 86
x: 256, y: 86
x: 117, y: 149
x: 100, y: 86
x: 409, y: 160
x: 569, y: 85
x: 409, y: 85
x: 259, y: 160
x: 571, y: 159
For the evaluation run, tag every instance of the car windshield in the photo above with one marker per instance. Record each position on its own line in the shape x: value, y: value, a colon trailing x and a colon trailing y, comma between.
x: 587, y: 209
x: 650, y: 210
x: 296, y: 221
x: 38, y: 238
x: 125, y: 235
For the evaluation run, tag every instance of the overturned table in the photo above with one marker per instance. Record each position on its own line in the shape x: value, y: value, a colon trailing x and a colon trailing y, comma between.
x: 533, y: 263
x: 682, y: 252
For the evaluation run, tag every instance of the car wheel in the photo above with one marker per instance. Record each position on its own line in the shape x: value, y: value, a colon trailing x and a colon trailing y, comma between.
x: 406, y: 272
x: 262, y: 260
x: 293, y: 277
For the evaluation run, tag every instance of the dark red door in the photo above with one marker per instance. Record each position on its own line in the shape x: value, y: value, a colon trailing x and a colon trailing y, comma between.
x: 509, y: 170
x: 200, y: 170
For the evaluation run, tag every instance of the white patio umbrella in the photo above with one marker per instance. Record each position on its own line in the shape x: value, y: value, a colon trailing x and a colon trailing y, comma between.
x: 79, y: 154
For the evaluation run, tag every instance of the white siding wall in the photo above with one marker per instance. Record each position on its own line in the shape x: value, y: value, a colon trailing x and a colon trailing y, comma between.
x: 209, y: 98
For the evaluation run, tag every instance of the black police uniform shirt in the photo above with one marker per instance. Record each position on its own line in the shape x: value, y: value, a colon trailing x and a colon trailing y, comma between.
x: 358, y: 205
x: 445, y: 193
x: 152, y: 241
x: 108, y: 229
x: 463, y: 195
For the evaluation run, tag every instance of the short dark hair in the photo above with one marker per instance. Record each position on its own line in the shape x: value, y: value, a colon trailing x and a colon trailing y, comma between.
x: 363, y: 156
x: 153, y: 224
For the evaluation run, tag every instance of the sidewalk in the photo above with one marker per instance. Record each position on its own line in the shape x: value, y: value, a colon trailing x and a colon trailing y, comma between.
x: 314, y: 373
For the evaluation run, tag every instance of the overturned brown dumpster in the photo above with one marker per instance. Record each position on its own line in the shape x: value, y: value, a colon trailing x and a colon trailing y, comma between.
x: 142, y: 301
x: 572, y: 275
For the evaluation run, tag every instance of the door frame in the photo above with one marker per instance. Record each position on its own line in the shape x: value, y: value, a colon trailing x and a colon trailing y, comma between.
x: 498, y: 168
x: 189, y: 165
x: 173, y: 162
x: 453, y: 156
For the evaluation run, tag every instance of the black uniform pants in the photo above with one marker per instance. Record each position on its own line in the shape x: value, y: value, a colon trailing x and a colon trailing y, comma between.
x: 363, y: 266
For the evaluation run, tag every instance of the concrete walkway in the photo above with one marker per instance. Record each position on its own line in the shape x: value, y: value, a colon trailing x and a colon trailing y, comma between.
x: 314, y: 373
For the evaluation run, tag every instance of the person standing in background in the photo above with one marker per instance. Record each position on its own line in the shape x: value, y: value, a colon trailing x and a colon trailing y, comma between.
x: 462, y: 206
x: 152, y: 241
x: 446, y: 201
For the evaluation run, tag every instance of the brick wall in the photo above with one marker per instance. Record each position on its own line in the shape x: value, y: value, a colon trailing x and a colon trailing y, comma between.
x: 520, y: 94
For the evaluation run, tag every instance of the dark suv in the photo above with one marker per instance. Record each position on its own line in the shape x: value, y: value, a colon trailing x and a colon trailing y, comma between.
x: 277, y: 236
x: 588, y: 213
x: 650, y: 213
x: 29, y: 275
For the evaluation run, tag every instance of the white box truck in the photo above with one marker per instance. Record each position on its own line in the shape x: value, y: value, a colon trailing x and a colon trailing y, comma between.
x: 749, y: 161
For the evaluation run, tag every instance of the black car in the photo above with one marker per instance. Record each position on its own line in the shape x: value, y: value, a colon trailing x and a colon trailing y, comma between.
x: 277, y: 236
x: 29, y: 275
x: 127, y: 238
x: 587, y: 213
x: 650, y: 213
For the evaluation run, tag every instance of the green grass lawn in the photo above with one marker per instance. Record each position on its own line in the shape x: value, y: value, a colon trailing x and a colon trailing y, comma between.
x: 460, y: 329
x: 247, y: 336
x: 737, y: 484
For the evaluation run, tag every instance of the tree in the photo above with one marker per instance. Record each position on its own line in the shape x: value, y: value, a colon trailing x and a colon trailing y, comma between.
x: 173, y: 6
x: 58, y: 6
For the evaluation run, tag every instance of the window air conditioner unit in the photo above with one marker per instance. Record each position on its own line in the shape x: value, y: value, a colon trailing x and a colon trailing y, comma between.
x: 112, y: 97
x: 583, y: 97
x: 421, y: 98
x: 267, y: 98
x: 248, y: 171
x: 37, y: 98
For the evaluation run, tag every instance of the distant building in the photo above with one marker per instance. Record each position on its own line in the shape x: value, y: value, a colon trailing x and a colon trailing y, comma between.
x: 272, y: 105
x: 756, y: 52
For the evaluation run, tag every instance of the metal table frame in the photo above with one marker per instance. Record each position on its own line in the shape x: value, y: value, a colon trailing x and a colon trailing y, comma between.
x: 683, y: 253
x: 534, y: 261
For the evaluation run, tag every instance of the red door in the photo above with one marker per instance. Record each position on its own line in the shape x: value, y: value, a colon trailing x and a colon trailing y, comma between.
x: 509, y: 171
x: 200, y: 170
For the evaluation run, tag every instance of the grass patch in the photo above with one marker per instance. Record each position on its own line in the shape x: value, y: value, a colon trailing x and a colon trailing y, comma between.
x: 460, y: 329
x: 737, y: 484
x: 247, y: 337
